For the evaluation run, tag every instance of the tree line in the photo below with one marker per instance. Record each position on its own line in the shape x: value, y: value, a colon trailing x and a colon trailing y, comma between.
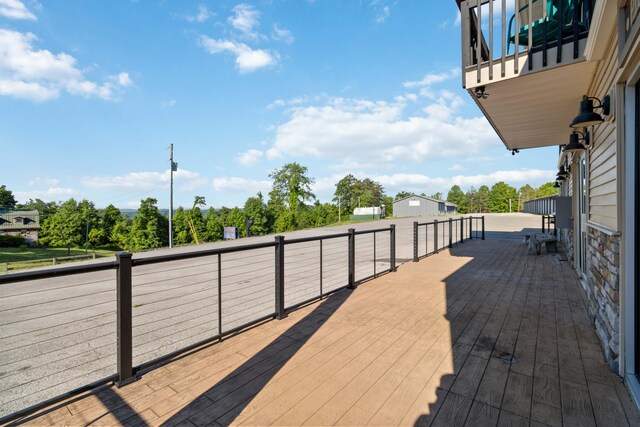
x: 291, y: 205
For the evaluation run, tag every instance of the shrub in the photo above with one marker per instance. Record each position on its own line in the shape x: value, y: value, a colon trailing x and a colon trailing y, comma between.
x: 8, y: 241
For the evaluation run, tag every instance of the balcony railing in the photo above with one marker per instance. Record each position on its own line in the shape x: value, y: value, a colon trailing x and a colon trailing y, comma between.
x: 505, y: 31
x: 70, y: 329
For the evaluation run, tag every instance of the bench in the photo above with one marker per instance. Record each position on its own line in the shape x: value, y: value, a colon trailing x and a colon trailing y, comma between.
x: 535, y: 243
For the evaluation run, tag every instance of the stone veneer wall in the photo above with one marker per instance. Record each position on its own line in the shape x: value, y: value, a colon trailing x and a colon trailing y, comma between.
x: 603, y: 260
x: 566, y: 238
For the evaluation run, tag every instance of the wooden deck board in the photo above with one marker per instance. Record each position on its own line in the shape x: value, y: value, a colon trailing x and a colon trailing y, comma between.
x: 427, y: 345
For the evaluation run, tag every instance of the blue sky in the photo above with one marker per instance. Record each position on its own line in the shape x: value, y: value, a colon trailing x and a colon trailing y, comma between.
x: 92, y: 93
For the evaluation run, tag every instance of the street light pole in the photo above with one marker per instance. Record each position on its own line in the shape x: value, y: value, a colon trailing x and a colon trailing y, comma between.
x: 173, y: 168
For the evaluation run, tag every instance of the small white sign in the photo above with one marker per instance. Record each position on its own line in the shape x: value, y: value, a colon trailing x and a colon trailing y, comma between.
x: 414, y: 202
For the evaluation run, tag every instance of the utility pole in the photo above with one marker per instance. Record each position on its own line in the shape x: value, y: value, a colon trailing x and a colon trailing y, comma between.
x: 509, y: 205
x: 339, y: 209
x: 174, y: 167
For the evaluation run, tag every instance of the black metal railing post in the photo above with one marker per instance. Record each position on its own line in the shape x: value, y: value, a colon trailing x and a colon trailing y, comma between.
x: 470, y: 227
x: 415, y: 241
x: 220, y: 295
x: 543, y: 223
x: 392, y: 249
x: 352, y: 258
x: 461, y: 229
x: 482, y: 227
x: 450, y: 232
x: 435, y: 236
x: 125, y: 319
x: 279, y: 259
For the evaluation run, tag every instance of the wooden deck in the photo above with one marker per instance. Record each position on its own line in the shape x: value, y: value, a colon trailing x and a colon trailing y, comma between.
x: 481, y: 335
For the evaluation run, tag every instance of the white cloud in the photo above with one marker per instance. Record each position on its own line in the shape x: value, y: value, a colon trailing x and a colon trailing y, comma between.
x: 382, y: 9
x: 432, y: 78
x: 202, y: 15
x: 51, y: 194
x: 168, y: 104
x: 245, y: 19
x: 233, y: 183
x: 250, y: 157
x: 425, y: 183
x: 379, y: 133
x: 39, y: 75
x: 383, y: 15
x: 282, y: 34
x: 15, y: 9
x: 247, y: 59
x: 43, y: 181
x: 124, y: 80
x: 456, y: 168
x: 188, y: 180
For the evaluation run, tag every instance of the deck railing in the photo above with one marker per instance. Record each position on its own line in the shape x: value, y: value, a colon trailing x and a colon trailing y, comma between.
x: 165, y: 305
x: 491, y: 28
x: 431, y: 237
x: 73, y: 328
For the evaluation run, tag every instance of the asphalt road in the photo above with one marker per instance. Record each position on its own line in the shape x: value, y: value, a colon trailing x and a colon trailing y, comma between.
x: 60, y: 333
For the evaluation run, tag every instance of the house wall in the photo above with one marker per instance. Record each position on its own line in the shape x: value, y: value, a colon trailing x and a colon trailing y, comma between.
x: 427, y: 207
x: 30, y: 236
x: 602, y: 282
x: 602, y: 153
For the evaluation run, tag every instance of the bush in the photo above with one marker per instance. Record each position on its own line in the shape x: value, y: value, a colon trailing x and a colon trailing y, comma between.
x: 8, y: 241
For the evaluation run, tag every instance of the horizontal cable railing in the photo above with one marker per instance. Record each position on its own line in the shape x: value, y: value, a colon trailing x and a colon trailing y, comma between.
x: 431, y: 237
x: 68, y: 329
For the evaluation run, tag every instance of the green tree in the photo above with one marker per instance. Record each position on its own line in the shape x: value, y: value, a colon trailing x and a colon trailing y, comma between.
x: 256, y: 209
x: 457, y: 196
x: 214, y: 223
x: 120, y: 232
x: 46, y: 209
x: 370, y: 193
x: 437, y: 196
x: 66, y: 228
x: 482, y: 198
x: 291, y: 189
x: 526, y: 192
x: 7, y: 201
x: 402, y: 195
x: 149, y: 228
x: 345, y: 194
x: 472, y: 200
x: 181, y: 230
x: 499, y: 197
x: 291, y: 186
x: 546, y: 190
x: 388, y: 205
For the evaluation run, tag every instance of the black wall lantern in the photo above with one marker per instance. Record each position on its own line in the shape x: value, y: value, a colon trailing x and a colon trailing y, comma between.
x: 556, y: 184
x: 574, y: 144
x: 563, y: 172
x: 587, y: 117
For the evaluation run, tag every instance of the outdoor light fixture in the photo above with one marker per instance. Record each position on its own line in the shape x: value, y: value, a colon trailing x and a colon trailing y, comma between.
x: 560, y: 178
x: 574, y: 144
x: 514, y: 151
x: 587, y: 117
x: 563, y: 172
x: 479, y: 92
x: 556, y: 184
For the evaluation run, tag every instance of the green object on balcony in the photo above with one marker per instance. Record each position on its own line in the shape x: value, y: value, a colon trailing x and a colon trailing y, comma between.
x: 554, y: 15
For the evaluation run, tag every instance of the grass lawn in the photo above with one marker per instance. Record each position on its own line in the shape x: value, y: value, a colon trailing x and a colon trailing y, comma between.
x: 28, y: 254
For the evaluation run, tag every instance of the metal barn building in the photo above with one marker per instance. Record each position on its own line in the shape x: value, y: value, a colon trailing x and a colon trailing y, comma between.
x: 421, y: 206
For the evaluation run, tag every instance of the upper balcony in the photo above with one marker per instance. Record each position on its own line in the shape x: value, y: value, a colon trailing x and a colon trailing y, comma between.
x: 517, y: 55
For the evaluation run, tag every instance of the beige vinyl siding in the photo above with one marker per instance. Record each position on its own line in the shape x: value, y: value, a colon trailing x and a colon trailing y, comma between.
x: 602, y: 155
